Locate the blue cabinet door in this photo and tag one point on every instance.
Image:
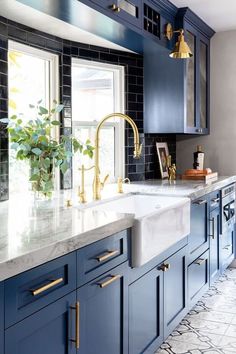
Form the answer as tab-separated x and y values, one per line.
102	312
214	232
145	314
198	238
1	318
48	331
175	290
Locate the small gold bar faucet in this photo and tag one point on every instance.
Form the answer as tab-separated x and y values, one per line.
97	184
81	190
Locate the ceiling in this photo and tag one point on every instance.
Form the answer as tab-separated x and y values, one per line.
218	14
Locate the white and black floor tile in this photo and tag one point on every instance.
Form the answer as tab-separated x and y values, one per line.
210	327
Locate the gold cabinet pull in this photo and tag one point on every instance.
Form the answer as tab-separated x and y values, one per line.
213	229
200	202
199	261
106	256
115	8
77	328
47	286
215	200
164	267
109	281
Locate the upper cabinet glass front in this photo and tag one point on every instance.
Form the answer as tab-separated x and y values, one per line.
203	85
190	84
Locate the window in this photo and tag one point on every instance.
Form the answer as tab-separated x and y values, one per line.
98	90
33	76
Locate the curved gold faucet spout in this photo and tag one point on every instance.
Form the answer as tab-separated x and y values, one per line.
97	185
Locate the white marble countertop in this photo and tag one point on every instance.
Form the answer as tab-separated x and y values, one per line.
32	233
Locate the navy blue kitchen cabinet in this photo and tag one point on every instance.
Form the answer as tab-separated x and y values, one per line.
51	330
175	290
2	317
145	312
198	238
227	239
102	313
176	92
214	235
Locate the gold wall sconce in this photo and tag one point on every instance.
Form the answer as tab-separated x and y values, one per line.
181	49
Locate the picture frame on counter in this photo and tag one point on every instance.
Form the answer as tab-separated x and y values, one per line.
163	153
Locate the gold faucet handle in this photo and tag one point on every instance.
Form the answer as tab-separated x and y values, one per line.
120	182
104	181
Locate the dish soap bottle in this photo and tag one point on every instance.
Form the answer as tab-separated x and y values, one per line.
198	158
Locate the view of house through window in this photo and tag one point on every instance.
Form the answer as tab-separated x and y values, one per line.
32	77
98	90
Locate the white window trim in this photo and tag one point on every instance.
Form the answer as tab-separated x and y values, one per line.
119	92
53	81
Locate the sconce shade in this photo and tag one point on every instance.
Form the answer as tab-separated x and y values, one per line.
181	49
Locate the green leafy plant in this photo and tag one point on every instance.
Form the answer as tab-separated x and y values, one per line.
33	141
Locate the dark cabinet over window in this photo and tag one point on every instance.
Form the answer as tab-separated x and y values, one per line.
176	91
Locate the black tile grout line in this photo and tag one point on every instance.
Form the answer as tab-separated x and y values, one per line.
133	63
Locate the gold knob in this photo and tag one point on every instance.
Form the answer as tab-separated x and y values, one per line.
68	203
115	8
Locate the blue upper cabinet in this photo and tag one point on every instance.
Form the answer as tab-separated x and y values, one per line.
1	318
177	91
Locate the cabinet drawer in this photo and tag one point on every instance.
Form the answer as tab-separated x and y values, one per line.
32	290
214	200
98	258
198	278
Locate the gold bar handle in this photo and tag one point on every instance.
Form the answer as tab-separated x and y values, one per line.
200	261
106	256
109	281
200	202
77	327
47	286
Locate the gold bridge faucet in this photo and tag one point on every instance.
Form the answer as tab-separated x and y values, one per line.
97	184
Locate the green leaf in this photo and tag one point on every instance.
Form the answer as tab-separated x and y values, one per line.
13	117
40	101
55	122
34	178
37	151
14	146
19	121
88	142
64	167
43	110
31	106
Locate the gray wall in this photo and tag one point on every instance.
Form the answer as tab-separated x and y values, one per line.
220	146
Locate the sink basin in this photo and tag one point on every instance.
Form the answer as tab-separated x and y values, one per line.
159	222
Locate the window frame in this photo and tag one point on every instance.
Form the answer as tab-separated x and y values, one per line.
119	106
53	75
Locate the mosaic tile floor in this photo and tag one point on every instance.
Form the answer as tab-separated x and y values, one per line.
210	327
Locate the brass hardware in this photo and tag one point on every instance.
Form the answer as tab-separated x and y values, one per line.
115	8
199	261
181	49
68	203
120	182
81	190
109	281
213	229
106	256
77	325
215	200
164	267
47	286
200	202
97	184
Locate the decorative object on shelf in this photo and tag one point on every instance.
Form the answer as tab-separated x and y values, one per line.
163	153
198	158
97	184
171	169
200	175
181	49
33	141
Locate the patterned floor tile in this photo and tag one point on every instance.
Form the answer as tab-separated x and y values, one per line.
231	331
192	323
228	344
213	316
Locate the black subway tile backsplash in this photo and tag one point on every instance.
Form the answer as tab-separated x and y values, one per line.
144	168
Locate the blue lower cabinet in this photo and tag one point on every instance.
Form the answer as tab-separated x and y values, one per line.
102	312
227	246
214	234
198	238
175	290
48	331
1	317
145	314
198	278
